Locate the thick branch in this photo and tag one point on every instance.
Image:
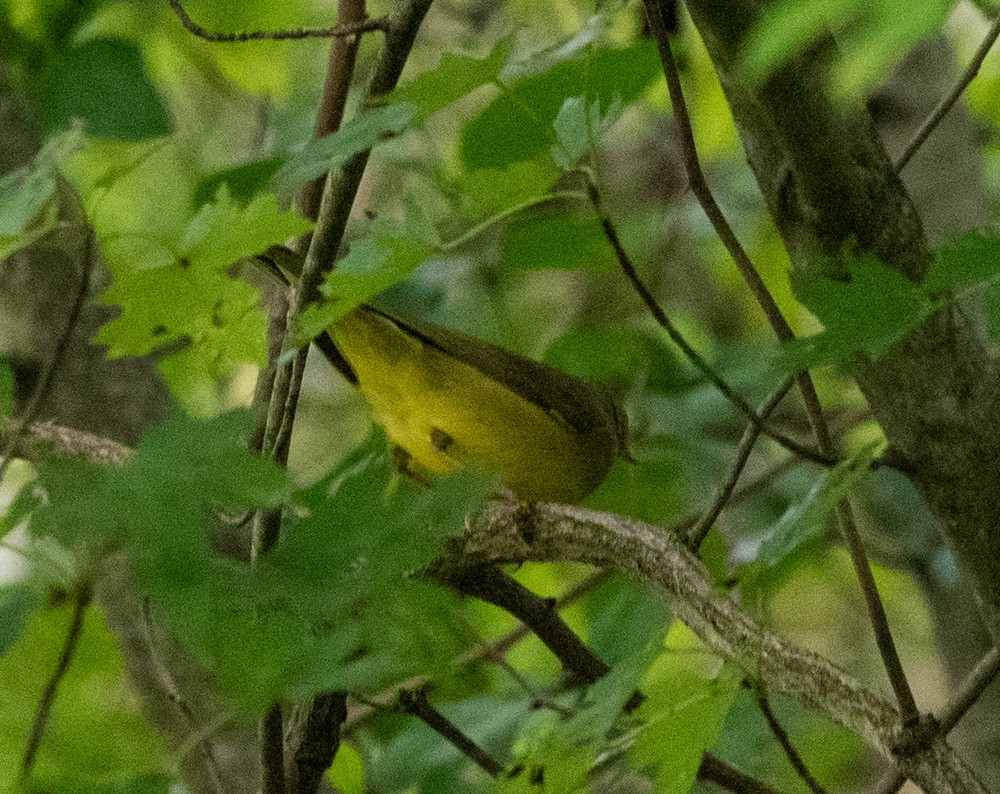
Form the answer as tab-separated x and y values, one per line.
830	187
567	534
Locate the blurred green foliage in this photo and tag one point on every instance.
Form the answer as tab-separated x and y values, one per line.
473	215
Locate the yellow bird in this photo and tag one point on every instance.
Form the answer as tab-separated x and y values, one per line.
447	399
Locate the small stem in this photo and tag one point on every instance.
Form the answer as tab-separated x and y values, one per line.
699	186
48	697
690	353
946	104
343	29
714	770
786	744
488	583
696	535
477	230
414	703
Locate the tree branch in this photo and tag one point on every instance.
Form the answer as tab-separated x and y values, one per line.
814	410
80	603
507	532
946	104
415	703
344	29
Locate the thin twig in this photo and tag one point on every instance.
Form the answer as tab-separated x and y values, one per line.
975	683
488	583
336	88
909	713
717	771
697	533
49	694
946	104
576	592
343	29
272	752
314	749
277	325
414	703
786	744
690	353
174	694
41	392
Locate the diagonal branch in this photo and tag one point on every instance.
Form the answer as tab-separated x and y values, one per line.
559	533
946	104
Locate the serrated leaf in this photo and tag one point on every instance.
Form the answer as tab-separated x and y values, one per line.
333	606
867	313
453	78
517	125
331	152
688	694
807	519
194	299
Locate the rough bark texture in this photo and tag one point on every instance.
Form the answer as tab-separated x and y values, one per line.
830	186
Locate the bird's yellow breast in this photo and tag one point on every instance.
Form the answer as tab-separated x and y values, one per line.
447	413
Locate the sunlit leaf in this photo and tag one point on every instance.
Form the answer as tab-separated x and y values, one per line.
689	693
329	153
346	774
517	125
867	312
453	78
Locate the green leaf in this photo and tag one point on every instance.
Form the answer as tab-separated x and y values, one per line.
963	264
17	602
517	125
579	130
333	606
867	313
807	518
346	774
194	300
330	153
688	694
243	182
27	209
104	82
453	78
870	36
387	255
535	241
491	190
